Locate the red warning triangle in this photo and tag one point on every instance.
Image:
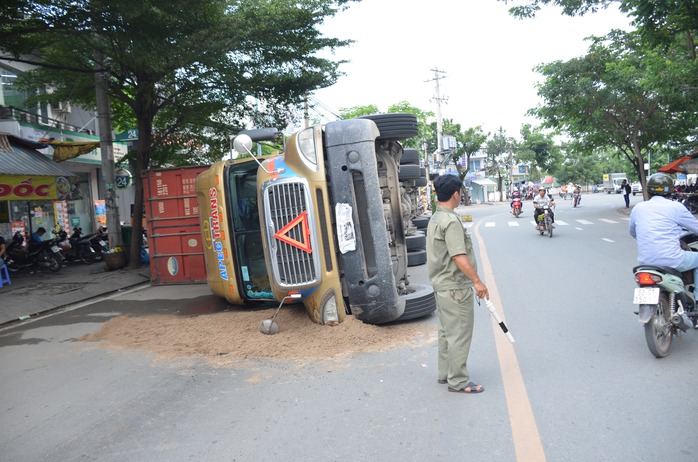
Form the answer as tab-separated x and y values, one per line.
283	236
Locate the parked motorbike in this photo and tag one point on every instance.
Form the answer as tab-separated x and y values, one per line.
575	199
545	222
516	207
666	302
91	246
76	247
45	254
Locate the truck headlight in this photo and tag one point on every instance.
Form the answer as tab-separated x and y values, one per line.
329	309
305	140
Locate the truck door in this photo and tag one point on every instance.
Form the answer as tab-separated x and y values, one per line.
249	250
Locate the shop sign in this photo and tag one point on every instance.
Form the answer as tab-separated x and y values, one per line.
24	188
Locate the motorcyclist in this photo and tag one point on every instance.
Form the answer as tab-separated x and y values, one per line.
657	225
539	201
516	195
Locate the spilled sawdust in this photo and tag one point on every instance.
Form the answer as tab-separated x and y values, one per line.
227	337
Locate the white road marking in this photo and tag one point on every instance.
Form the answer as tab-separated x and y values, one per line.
578	228
513	223
584	222
606	220
607	240
561	223
490	224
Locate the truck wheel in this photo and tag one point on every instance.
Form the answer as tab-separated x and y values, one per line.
418	241
416	257
421	222
395	126
419	303
408	172
409	157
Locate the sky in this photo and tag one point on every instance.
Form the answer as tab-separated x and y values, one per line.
485	55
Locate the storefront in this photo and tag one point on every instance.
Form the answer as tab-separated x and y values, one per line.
37	192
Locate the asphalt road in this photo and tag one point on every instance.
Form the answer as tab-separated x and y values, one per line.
579	384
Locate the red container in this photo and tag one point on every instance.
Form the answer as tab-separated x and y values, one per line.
174	232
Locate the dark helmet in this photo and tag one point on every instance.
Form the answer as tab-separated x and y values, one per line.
660	184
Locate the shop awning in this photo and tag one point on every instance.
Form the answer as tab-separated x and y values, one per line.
485	182
20	157
64	150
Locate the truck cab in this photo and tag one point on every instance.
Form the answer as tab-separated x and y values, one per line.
323	219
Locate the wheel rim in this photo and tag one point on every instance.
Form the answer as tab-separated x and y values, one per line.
659	329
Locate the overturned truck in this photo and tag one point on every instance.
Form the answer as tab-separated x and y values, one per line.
326	219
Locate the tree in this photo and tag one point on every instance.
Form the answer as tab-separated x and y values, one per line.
190	73
618	96
538	150
500	157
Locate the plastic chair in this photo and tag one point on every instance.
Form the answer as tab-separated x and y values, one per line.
4	276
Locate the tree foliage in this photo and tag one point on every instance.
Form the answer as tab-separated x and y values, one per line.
618	96
187	74
538	150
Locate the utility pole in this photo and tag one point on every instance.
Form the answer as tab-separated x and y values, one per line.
107	150
438	99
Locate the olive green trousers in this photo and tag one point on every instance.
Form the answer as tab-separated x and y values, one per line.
456	316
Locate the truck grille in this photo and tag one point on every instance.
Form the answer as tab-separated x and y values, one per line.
293	265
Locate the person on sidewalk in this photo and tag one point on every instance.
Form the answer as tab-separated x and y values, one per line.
3	251
625	187
452	271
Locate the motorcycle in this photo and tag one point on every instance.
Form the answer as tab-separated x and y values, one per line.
667	307
545	221
95	242
44	254
575	199
516	207
76	247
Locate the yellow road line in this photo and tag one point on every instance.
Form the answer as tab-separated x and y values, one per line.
527	442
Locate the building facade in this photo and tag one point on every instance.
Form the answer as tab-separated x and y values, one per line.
75	199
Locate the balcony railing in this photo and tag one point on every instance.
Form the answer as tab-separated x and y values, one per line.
12	113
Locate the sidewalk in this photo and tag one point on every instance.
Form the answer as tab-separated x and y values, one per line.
31	294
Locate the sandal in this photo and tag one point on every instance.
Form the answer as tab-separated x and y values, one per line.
469	388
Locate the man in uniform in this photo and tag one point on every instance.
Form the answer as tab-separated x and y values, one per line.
453	273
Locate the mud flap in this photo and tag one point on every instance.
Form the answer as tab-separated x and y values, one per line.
645	313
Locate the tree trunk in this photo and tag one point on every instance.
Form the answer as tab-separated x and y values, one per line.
145	133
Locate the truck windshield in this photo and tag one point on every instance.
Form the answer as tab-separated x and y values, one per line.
242	202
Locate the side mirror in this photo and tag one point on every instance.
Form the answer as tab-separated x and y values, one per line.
243	144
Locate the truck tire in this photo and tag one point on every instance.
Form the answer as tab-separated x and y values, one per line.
417	241
420	182
416	257
408	172
419	303
421	222
395	126
409	157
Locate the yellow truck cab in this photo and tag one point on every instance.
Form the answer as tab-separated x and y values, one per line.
325	219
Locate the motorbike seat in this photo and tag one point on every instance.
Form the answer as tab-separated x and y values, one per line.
664	269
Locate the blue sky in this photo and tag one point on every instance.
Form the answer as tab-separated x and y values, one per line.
486	55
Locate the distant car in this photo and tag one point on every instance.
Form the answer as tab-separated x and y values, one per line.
637	188
598	188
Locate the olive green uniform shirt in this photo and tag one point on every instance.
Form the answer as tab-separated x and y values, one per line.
447	238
